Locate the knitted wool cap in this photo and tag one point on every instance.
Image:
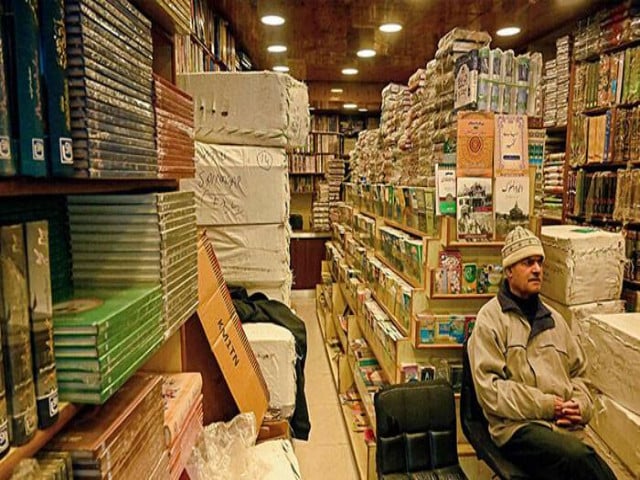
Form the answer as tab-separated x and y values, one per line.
520	244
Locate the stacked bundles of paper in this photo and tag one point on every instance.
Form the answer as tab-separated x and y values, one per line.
552	184
183	417
102	336
174	130
275	349
563	72
576	315
248	108
320	209
126	239
550	93
335	176
587	36
124	439
366	158
582	265
180	13
242	200
396	102
612	345
110	89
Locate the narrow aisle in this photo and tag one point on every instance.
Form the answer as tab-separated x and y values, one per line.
327	453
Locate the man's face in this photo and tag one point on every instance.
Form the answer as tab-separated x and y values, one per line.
525	277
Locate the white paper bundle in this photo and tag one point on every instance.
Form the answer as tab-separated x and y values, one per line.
582	265
576	314
248	108
612	346
239	185
275	350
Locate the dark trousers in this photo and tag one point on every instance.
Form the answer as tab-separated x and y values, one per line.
546	454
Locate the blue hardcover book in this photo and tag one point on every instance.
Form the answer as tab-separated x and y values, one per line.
7	158
23	23
56	88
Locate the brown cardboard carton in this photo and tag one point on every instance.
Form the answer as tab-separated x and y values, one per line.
226	337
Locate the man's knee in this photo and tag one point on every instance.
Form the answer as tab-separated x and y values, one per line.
576	451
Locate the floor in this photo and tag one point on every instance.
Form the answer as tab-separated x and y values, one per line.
327	454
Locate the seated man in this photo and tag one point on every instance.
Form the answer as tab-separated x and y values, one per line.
528	373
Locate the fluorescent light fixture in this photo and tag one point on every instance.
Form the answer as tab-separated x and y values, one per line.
337	90
508	31
390	27
349	71
277	48
349	106
274	20
281	68
363	109
366	53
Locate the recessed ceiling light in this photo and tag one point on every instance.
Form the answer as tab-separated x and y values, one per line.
363	109
390	27
274	20
508	31
349	106
336	90
366	53
277	48
349	71
280	68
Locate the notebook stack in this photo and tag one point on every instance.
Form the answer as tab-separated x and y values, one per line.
110	89
120	240
122	439
183	417
102	337
174	130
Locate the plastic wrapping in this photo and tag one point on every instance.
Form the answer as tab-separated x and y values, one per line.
224	451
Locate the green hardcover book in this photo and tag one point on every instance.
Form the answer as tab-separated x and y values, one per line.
25	67
55	87
16	341
94	311
41	312
7	158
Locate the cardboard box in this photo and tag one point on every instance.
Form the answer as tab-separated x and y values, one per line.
248	108
581	265
226	336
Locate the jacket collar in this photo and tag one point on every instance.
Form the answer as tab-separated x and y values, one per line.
543	319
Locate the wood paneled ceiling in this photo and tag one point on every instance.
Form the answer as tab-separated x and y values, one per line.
322	35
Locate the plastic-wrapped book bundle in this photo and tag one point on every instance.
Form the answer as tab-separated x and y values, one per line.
366	158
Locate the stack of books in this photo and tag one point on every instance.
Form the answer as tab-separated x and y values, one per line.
183	417
174	130
110	56
122	439
102	337
120	240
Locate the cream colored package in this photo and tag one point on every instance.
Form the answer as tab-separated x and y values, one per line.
612	346
619	428
239	185
582	265
248	108
576	314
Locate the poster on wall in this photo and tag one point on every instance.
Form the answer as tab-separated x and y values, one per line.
474	209
511	204
511	145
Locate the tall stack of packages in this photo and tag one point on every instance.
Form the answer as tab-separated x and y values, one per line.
583	280
243	125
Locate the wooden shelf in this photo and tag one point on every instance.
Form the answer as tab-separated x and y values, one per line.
414	282
600	166
595	110
159	15
391	316
322	132
461	296
223	66
23	186
635	284
305	173
411	230
597	219
376	348
474	245
439	346
365	396
41	438
557	129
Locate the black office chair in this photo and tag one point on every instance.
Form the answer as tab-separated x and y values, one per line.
475	428
416	432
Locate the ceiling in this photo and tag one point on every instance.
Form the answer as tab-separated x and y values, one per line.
322	36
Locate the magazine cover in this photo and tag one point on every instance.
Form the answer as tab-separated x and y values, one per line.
475	209
512	204
475	144
511	145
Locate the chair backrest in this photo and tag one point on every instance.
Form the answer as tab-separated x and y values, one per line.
416	427
470	409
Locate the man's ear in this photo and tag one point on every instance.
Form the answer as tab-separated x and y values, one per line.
507	271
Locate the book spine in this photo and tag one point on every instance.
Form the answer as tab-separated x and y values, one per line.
41	313
56	88
7	153
16	342
28	101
